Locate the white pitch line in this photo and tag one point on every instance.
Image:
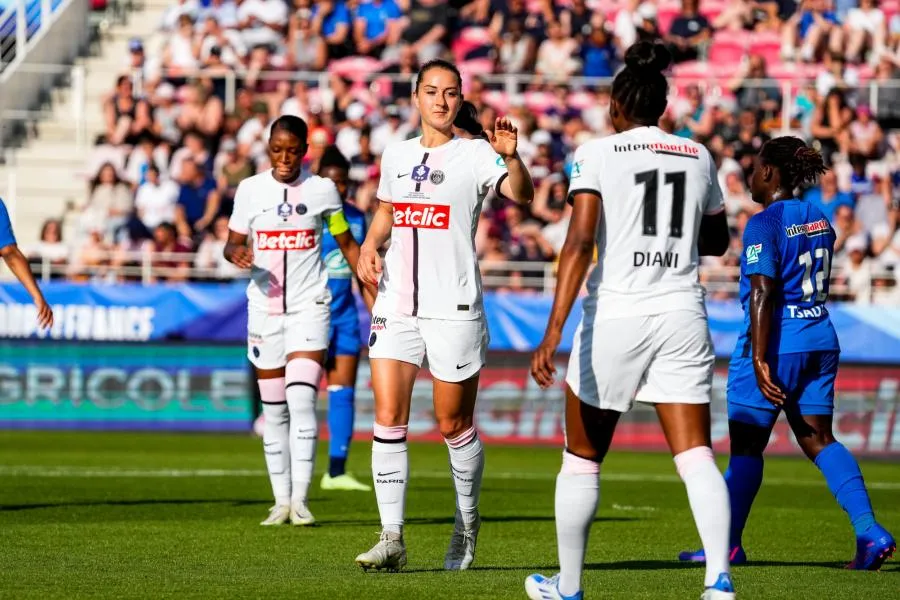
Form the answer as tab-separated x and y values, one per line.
114	472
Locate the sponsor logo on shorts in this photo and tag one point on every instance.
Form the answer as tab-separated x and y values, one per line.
420	173
436	177
813	229
286	239
256	351
378	323
753	251
422	216
254	338
372	339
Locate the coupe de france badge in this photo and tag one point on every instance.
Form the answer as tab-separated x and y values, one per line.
285	210
420	173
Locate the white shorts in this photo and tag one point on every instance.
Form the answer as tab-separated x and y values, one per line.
270	338
665	359
455	349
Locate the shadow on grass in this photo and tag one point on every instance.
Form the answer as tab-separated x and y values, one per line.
449	520
145	502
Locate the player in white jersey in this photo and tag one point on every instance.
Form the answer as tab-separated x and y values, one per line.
651	203
281	216
429	300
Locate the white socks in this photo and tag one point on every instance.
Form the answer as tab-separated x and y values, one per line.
302	386
390	471
275	438
466	468
577	496
708	497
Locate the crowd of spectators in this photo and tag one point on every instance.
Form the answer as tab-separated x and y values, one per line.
186	124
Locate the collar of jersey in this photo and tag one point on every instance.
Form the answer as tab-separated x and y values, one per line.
294	183
433	148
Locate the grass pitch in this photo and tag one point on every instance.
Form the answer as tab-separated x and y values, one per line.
156	516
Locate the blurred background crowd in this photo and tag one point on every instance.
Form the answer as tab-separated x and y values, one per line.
188	120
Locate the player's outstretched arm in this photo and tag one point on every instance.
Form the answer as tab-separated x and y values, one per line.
236	250
18	264
714	237
763	291
504	140
574	260
369	267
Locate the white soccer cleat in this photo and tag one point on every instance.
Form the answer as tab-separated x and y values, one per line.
389	554
461	552
278	515
538	587
300	515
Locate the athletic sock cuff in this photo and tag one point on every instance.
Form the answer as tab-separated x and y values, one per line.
466	437
303	371
272	391
690	460
395	434
575	465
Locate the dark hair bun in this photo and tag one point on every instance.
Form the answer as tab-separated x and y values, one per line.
467	119
647	58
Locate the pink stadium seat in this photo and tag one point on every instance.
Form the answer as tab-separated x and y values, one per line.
665	16
499	100
477	66
580	100
470	39
538	101
769	51
355	67
726	52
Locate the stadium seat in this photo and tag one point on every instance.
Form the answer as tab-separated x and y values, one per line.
469	40
538	101
766	45
356	68
727	51
477	66
498	99
580	100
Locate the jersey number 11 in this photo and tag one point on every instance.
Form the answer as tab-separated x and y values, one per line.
650	181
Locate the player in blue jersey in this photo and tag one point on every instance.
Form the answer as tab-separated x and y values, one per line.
343	352
19	266
787	354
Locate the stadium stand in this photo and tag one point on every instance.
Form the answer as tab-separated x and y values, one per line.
177	112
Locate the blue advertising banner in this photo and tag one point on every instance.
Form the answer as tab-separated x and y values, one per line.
218	312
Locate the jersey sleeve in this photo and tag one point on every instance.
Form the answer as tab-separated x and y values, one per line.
761	251
7	238
585	175
240	214
384	182
490	170
715	202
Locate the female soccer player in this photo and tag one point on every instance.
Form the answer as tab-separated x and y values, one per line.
288	298
787	354
644	334
344	347
19	266
429	301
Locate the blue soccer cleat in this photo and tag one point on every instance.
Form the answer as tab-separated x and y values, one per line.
722	589
539	587
736	556
872	549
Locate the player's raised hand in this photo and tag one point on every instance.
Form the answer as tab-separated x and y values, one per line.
242	257
543	368
504	138
369	266
769	388
44	314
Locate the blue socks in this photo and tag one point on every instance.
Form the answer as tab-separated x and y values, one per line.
340	427
743	478
846	483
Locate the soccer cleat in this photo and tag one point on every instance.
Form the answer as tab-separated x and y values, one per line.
873	549
539	587
461	552
345	482
278	515
736	556
722	589
300	515
389	554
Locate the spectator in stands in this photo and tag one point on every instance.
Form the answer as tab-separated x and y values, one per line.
201	111
217	42
625	26
198	201
689	34
173	14
262	22
425	27
866	135
91	261
517	49
557	56
50	250
376	26
830	124
126	115
210	255
531	248
888	109
195	150
363	164
741	15
331	19
109	203
857	270
505	11
836	74
813	29
827	196
154	204
137	63
180	56
171	254
225	13
866	29
347	139
145	153
765	98
234	167
306	49
407	66
598	55
393	129
647	23
166	113
578	20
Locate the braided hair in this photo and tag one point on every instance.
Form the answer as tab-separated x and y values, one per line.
797	163
641	89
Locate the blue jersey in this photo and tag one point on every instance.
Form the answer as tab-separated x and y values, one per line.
7	237
791	242
340	276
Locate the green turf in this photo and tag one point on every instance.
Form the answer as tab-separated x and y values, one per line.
70	526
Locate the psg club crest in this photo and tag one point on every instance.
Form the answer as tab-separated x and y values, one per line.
436	177
420	173
285	210
301	209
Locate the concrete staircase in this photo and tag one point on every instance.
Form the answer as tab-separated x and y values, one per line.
50	171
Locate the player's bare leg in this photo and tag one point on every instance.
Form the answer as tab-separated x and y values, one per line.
302	377
392	383
874	544
687	430
341	375
454	408
589	432
276	442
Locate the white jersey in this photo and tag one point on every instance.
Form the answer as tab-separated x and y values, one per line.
655	188
284	222
430	269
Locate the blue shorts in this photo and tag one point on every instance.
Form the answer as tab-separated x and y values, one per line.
344	336
806	377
